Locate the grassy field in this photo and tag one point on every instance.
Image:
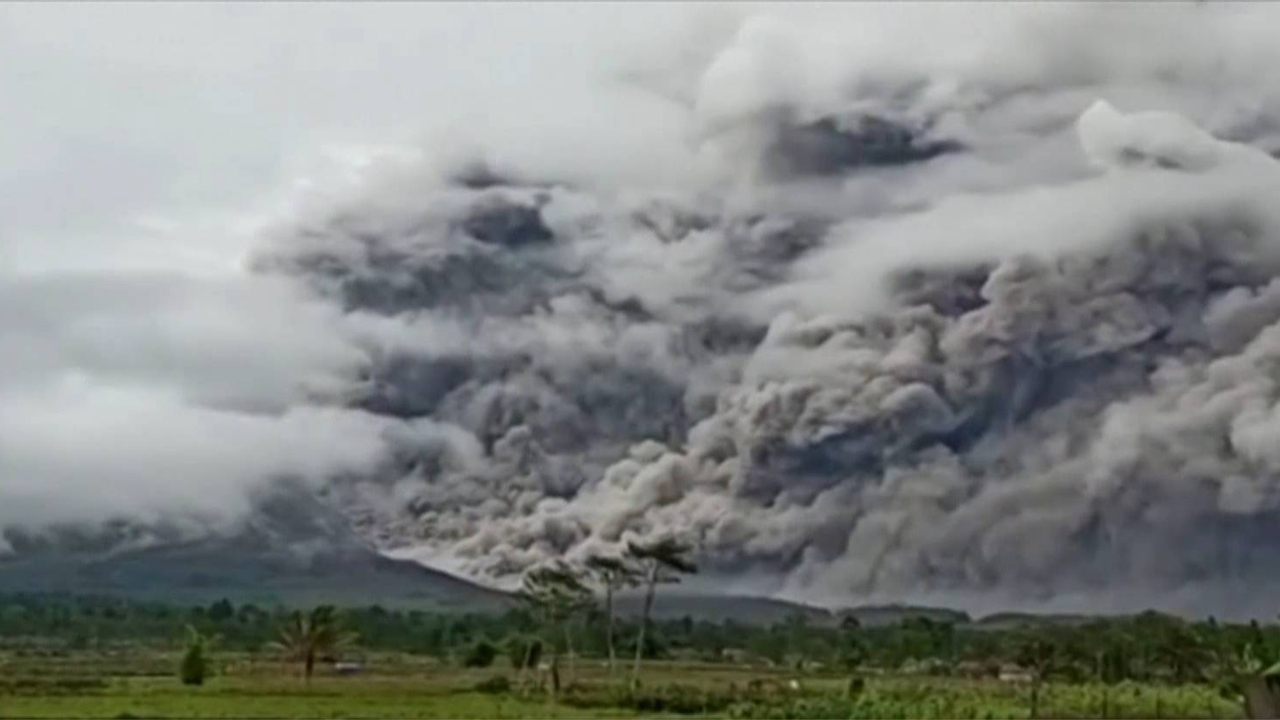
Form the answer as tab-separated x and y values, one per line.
125	684
274	698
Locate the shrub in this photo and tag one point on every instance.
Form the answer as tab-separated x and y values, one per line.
194	666
480	655
675	699
817	708
195	663
855	687
681	699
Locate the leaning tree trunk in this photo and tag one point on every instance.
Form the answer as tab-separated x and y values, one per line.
644	624
524	665
568	647
608	608
555	669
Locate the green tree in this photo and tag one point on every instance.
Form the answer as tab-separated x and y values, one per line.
612	573
221	611
195	661
851	651
481	655
768	644
660	562
555	593
524	652
308	636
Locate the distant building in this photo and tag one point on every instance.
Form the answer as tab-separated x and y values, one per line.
350	664
1015	674
971	669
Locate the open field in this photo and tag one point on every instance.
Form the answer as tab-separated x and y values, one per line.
94	684
64	657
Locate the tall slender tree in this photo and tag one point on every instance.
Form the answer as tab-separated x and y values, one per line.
660	562
556	593
1039	656
613	573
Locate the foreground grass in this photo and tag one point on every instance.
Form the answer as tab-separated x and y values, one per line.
325	698
412	688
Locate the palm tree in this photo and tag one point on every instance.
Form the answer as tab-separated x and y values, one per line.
304	637
613	573
660	562
556	593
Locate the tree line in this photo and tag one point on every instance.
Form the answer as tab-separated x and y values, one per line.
566	616
560	592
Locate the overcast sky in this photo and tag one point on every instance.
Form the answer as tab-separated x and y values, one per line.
150	135
146	135
143	148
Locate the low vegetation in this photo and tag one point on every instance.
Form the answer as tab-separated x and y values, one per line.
63	656
195	659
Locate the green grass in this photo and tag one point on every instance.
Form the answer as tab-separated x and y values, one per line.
915	697
141	684
325	698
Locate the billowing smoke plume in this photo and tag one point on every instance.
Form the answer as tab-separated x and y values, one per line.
992	319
